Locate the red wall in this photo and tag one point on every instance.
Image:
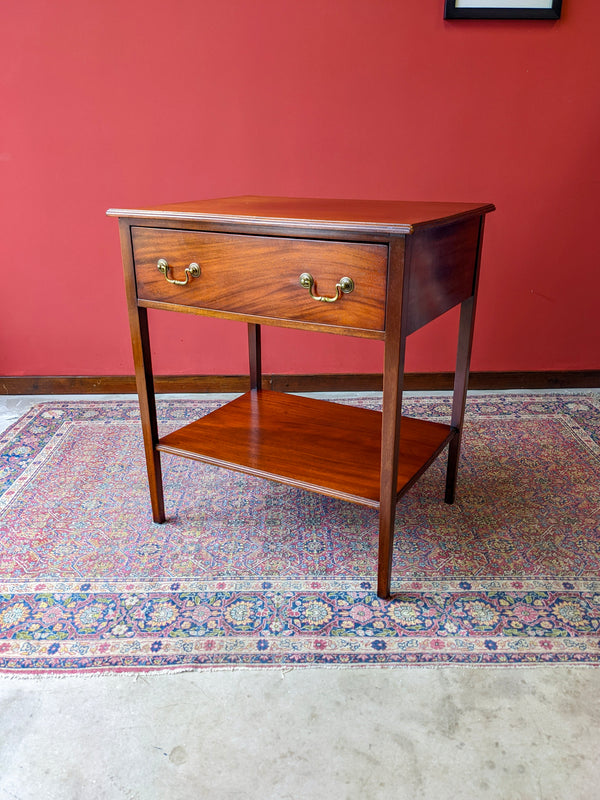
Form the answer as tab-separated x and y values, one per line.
135	102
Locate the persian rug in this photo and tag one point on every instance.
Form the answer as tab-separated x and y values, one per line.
247	572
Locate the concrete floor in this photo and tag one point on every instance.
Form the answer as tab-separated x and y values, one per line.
525	733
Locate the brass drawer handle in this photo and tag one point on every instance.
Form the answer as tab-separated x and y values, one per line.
193	271
345	286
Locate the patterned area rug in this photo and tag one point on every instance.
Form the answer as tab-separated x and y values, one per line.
247	572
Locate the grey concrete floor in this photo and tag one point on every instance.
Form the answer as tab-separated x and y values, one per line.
525	733
361	734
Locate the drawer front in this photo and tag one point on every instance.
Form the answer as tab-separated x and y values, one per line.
260	276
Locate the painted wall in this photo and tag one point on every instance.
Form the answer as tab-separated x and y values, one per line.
135	102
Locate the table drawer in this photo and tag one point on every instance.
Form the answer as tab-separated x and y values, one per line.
260	276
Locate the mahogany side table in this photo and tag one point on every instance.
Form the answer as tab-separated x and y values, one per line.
371	269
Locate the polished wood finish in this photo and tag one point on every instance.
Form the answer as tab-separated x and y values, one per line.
255	356
410	263
442	270
258	277
326	447
140	342
461	376
388	217
393	381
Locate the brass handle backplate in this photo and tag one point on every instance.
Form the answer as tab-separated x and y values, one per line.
193	271
345	286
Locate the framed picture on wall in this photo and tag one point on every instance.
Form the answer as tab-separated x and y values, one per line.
502	9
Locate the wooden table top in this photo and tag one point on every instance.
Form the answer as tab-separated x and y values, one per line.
380	216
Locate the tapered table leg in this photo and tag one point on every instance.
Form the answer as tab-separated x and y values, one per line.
461	380
393	380
461	375
388	492
255	357
145	387
387	517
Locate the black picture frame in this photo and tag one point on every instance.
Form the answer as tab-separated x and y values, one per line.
522	9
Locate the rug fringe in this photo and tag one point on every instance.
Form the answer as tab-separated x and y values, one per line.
274	668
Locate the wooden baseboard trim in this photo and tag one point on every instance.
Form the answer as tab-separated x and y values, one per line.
440	381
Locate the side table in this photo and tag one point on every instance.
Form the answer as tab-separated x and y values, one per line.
370	269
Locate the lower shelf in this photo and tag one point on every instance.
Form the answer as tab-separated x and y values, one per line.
314	444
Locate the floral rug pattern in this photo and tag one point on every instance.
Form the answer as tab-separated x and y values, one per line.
247	572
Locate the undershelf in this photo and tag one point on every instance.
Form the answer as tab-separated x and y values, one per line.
313	444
